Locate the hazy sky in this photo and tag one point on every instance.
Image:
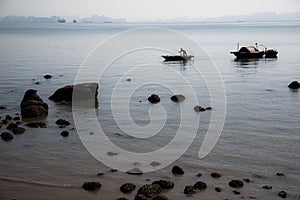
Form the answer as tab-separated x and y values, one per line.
145	9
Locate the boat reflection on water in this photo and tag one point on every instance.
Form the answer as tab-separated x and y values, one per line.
181	63
246	62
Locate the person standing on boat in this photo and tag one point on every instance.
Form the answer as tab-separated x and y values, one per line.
183	52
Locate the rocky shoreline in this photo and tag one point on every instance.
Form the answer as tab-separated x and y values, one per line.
32	106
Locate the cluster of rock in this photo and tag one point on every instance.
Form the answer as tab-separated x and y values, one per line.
155	190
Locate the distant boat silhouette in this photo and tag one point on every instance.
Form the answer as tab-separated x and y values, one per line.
254	52
61	21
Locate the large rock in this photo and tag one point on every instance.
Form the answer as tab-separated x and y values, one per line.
76	93
294	85
90	186
154	98
178	98
32	106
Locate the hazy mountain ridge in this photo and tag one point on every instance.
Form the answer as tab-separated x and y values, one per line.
262	16
53	19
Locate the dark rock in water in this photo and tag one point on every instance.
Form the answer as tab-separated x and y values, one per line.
177	170
215	175
280	174
110	153
8	117
129	79
11	126
200	185
127	188
36	125
100	174
282	194
188	190
18	130
122	198
154	98
62	122
113	170
33	106
199	109
208	108
135	171
16	118
267	187
164	184
247	180
199	175
86	92
64	133
178	98
4	121
2	107
236	192
150	191
6	136
91	186
236	183
294	85
47	76
37	83
155	164
160	197
140	197
218	189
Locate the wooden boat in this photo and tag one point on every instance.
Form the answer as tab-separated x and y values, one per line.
254	52
248	52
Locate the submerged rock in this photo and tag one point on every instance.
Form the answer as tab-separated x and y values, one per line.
86	92
127	188
218	189
199	109
164	184
236	183
90	186
6	136
62	122
189	190
160	197
36	125
154	98
178	98
267	187
200	185
282	194
177	170
135	171
64	133
32	106
294	85
215	175
18	130
47	76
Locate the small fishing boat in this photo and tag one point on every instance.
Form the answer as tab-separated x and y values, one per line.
248	52
183	56
61	20
177	57
254	52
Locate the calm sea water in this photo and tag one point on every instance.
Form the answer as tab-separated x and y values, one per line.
262	126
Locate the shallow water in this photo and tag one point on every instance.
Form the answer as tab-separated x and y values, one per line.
260	135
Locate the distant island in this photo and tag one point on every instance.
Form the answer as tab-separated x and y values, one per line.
261	16
59	19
